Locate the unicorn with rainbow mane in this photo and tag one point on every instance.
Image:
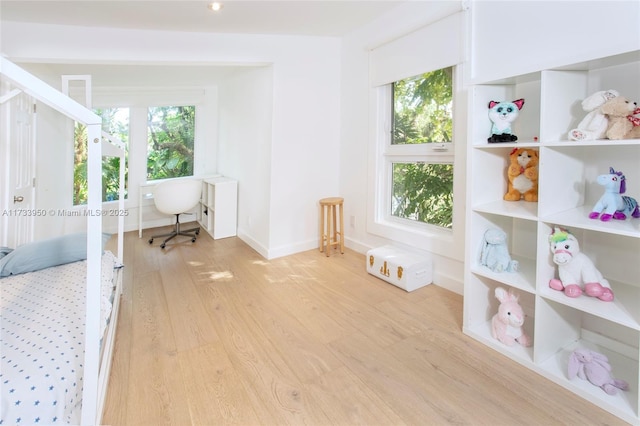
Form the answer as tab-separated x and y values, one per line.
576	272
612	204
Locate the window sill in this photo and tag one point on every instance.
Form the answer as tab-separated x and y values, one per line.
430	238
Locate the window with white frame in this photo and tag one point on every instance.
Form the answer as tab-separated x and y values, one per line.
170	147
170	141
417	154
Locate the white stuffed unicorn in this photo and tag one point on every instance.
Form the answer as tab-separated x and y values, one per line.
612	204
576	271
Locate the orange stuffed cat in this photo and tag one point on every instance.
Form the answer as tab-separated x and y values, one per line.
523	175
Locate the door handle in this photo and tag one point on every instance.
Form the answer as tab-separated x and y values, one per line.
18	199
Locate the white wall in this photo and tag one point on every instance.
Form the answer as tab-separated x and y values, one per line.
305	158
304	163
245	149
543	34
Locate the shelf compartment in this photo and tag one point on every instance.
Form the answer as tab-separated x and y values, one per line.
593	143
211	197
563	91
204	194
518	209
578	218
492	163
479	320
482	333
622	310
570	175
573	329
521	245
562	113
527	126
615	256
204	217
523	279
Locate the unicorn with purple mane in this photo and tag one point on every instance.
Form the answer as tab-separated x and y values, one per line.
612	204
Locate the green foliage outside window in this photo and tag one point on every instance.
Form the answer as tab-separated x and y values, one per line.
422	114
169	148
423	192
115	121
80	190
170	142
422	108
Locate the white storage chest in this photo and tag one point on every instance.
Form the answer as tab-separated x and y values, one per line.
400	267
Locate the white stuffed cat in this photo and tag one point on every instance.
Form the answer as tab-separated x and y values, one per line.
502	114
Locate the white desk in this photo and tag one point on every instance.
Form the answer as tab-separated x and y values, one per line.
145	193
145	196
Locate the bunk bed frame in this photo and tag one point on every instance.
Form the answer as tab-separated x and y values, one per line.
98	348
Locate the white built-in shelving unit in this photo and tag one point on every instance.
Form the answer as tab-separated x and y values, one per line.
219	206
567	193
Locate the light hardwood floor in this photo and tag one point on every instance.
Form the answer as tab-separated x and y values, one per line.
211	333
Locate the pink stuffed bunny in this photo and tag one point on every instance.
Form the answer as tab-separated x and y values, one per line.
594	367
506	325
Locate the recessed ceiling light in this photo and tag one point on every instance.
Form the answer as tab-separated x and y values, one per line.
216	6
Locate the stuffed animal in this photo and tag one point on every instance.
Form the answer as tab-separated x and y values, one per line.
506	325
494	254
624	118
594	124
594	367
612	204
502	114
523	175
575	270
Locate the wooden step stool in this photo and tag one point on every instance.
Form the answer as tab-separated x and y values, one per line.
331	225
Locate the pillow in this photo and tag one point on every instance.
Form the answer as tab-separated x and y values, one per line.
5	251
47	253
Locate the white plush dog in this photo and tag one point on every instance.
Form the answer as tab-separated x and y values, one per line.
594	124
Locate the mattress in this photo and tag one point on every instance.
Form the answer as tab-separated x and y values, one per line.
42	328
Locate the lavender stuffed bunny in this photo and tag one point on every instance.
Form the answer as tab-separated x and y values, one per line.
594	367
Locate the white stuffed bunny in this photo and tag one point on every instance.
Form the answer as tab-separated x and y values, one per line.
506	325
594	124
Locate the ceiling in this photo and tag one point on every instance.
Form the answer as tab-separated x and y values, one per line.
333	18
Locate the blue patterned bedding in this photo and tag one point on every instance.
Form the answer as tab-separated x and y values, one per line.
42	326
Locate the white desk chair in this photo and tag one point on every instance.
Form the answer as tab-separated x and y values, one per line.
175	197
